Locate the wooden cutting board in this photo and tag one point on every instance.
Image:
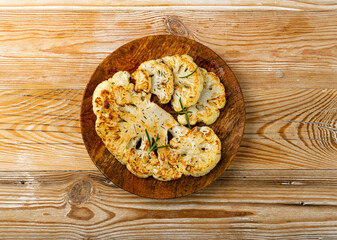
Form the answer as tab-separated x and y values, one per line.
229	126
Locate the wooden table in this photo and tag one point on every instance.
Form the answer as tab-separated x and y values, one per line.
283	181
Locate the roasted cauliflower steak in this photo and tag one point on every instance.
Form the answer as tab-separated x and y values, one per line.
125	115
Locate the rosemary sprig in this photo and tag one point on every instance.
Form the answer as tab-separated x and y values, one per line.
183	111
190	73
153	145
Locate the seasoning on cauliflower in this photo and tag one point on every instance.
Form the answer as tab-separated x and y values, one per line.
157	77
187	89
199	149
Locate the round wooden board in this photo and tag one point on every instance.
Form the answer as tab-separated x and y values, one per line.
229	127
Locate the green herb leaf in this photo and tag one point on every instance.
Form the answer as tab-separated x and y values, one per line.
153	145
162	147
188	121
190	73
181	105
183	111
180	111
148	137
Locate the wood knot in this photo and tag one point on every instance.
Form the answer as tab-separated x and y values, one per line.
279	74
80	213
175	27
80	192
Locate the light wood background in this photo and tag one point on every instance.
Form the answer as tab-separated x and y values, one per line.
281	185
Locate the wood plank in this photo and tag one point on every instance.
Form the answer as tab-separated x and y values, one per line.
273	49
259	204
169	4
294	128
39	130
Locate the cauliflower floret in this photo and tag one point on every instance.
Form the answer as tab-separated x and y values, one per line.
143	80
199	149
187	89
123	115
155	76
212	98
120	78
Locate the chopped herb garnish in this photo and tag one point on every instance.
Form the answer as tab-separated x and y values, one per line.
190	73
183	111
153	143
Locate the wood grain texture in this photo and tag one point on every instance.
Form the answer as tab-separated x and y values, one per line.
285	62
294	128
40	130
273	49
215	5
229	126
255	204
